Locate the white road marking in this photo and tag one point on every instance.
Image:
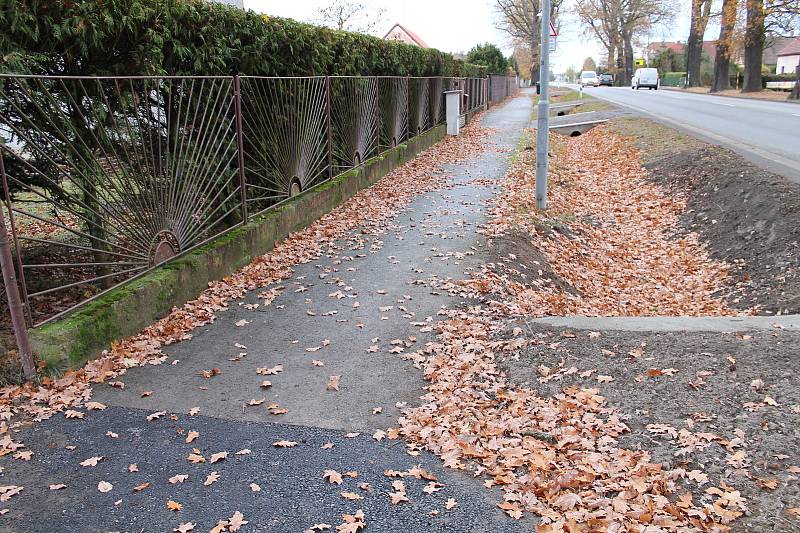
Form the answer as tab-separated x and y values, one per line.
795	115
720	103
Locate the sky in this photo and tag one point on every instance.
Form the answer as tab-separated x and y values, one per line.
458	25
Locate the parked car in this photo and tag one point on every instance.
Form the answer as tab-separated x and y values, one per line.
606	79
589	77
646	77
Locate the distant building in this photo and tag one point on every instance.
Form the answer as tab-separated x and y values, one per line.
788	57
404	35
679	49
773	46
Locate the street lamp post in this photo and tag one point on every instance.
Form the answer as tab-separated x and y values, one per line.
543	122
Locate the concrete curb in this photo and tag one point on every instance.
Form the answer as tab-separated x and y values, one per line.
127	309
680	323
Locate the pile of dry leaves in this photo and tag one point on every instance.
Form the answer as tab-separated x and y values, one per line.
609	233
612	236
555	456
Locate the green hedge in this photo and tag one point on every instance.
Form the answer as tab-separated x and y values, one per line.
672	79
778	77
195	37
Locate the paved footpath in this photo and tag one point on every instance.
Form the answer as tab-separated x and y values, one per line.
434	238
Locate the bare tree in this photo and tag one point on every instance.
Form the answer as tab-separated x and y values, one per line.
349	16
617	23
637	18
520	20
722	60
601	16
701	11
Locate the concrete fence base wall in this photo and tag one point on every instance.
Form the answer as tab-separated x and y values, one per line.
85	332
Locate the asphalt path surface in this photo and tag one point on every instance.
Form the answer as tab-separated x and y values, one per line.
766	133
434	238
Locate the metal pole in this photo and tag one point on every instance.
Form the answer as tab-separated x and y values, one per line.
543	118
408	109
14	301
328	125
237	95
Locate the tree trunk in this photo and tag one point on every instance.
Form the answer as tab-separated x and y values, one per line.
796	89
722	61
620	71
628	44
754	38
534	60
610	58
694	44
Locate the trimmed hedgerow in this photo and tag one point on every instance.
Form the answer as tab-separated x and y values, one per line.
195	37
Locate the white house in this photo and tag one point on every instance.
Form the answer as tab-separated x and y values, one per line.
788	57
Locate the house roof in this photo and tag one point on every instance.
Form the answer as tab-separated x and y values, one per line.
675	47
406	35
775	46
709	48
791	49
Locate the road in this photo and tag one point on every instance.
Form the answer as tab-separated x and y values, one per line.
766	133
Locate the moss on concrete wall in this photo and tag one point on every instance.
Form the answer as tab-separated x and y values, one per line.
125	310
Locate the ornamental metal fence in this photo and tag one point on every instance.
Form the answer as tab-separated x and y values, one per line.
104	178
501	87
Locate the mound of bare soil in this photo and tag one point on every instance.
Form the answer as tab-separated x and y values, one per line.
710	403
748	217
516	257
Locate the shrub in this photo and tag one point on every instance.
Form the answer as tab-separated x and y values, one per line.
778	77
195	37
673	79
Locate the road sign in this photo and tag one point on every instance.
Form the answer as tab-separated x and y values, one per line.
552	42
639	62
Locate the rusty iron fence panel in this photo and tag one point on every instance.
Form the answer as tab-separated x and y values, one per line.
394	110
104	178
357	120
436	88
285	137
107	177
419	104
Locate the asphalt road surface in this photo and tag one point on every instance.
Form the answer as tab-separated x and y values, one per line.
766	133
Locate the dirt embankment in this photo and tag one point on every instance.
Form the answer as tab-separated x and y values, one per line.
719	410
610	236
707	403
748	217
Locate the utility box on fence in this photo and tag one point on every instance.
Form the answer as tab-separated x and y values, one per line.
453	111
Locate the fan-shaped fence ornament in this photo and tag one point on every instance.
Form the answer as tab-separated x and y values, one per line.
394	110
356	123
105	178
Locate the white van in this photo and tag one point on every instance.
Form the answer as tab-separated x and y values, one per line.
645	77
589	77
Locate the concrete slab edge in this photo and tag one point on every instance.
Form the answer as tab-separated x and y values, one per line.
677	323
